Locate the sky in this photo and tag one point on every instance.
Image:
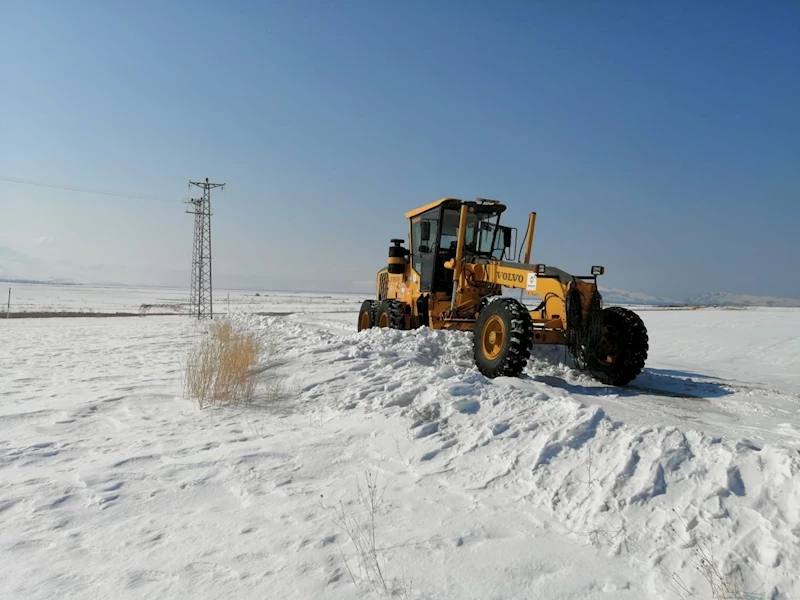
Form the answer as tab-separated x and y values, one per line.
661	140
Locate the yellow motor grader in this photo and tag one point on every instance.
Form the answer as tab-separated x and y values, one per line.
453	275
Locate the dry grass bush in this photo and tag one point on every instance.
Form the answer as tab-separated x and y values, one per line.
220	366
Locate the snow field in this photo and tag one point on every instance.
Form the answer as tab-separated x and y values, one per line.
113	486
666	498
546	486
99	299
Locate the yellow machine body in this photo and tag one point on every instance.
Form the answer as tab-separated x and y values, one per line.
491	275
459	261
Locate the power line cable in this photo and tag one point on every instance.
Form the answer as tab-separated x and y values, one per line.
89	190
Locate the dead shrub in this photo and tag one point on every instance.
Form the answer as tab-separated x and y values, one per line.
220	366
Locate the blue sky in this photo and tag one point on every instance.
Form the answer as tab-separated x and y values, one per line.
660	141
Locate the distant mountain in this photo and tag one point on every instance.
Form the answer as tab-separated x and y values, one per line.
38	281
615	296
16	265
727	299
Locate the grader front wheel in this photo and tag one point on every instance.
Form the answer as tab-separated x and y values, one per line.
502	339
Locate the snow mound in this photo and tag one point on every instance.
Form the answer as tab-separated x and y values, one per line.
697	513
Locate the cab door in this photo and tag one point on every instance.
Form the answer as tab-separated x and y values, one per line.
424	238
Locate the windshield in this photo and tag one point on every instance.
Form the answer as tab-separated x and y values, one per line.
483	236
490	239
450	228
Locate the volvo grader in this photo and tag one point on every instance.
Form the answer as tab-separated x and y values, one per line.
453	274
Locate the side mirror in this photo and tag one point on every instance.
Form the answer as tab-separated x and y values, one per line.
506	237
424	249
426	230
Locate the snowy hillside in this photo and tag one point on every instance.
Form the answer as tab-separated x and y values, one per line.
726	299
624	297
14	264
545	486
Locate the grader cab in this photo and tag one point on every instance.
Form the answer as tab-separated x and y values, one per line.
452	277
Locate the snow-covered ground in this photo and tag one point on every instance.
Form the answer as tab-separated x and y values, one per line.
29	298
545	486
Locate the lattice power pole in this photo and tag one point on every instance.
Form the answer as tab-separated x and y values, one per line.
201	297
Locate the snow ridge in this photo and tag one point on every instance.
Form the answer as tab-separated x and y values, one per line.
675	501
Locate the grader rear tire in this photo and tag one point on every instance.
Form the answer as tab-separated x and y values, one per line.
622	351
391	314
501	342
366	316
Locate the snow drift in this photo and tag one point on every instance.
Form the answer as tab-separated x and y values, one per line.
700	514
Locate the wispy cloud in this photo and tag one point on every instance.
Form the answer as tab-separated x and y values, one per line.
44	240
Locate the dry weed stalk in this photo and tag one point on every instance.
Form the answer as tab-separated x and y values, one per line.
725	579
369	567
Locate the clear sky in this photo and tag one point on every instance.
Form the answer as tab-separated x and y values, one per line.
661	140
